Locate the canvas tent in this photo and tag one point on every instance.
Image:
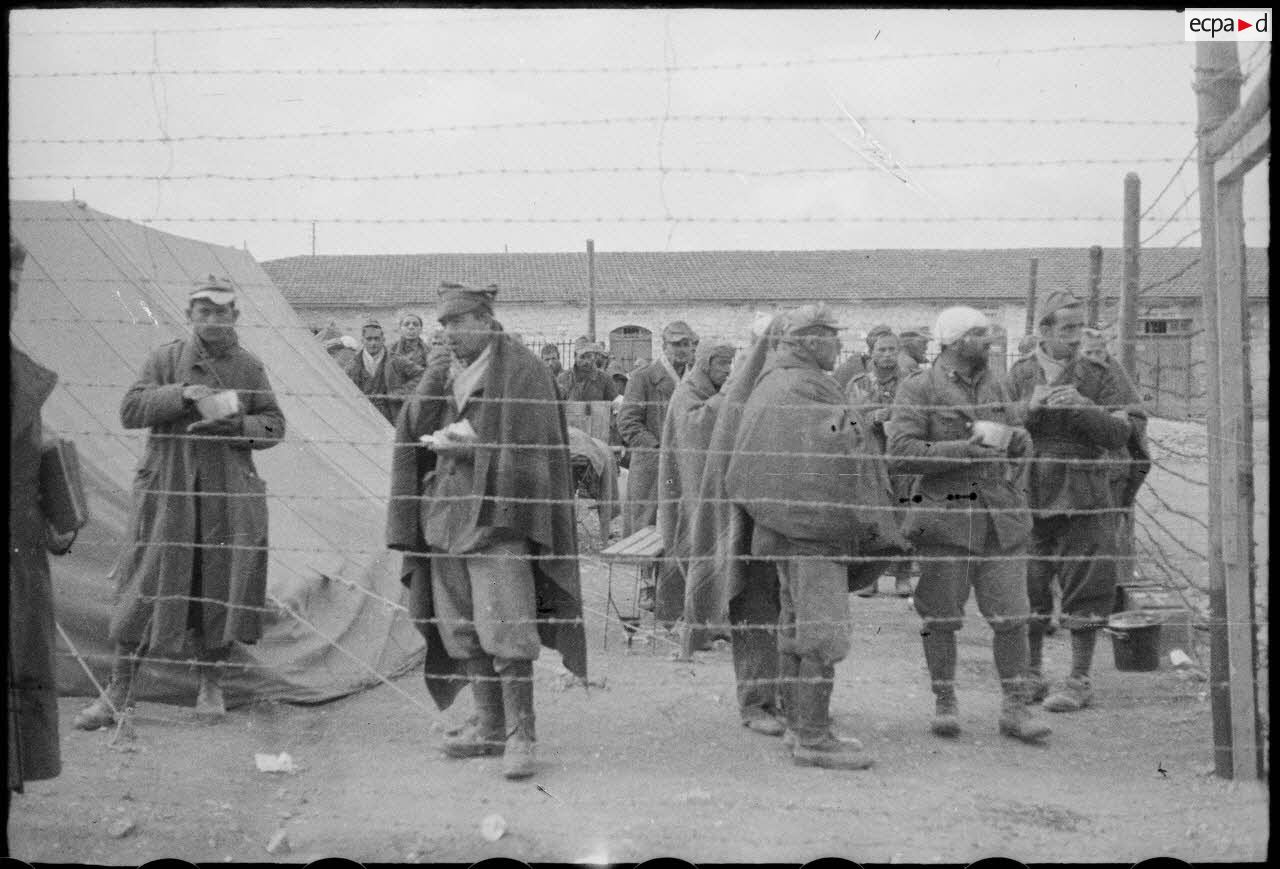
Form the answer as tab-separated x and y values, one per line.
97	294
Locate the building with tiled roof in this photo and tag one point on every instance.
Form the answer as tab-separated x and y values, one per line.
544	296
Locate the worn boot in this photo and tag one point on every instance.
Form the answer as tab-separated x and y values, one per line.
517	701
103	711
1009	649
816	744
940	657
1076	692
210	707
1037	684
487	735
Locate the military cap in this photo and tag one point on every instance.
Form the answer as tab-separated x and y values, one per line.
1054	302
216	289
678	330
459	299
809	317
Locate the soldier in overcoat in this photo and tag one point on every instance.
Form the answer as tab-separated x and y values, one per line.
194	575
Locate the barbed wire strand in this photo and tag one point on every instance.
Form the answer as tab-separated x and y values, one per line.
591	70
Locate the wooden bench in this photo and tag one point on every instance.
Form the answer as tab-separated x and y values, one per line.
641	549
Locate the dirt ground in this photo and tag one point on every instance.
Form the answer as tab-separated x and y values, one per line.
651	761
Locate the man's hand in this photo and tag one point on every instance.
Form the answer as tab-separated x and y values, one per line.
1020	443
447	443
196	391
1067	396
881	415
978	450
228	426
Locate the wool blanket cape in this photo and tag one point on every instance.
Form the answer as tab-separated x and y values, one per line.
719	529
804	467
686	433
523	483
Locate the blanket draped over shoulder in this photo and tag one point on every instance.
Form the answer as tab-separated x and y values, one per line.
523	483
686	433
720	530
806	466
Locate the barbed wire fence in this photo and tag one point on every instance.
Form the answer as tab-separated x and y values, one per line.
1172	508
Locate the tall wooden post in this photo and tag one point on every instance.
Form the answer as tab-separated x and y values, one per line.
591	290
1229	147
1031	297
1095	284
1127	330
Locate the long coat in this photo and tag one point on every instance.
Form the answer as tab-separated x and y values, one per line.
33	694
522	483
691	417
644	409
154	575
396	377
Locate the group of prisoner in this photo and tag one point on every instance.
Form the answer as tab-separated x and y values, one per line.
778	493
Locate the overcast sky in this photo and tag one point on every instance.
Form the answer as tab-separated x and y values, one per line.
434	130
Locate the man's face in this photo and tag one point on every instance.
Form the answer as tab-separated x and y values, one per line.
884	356
1095	349
974	344
585	362
411	328
1062	335
825	347
373	340
467	335
214	324
678	352
718	369
549	359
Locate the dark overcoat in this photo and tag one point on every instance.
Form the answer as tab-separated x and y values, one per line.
640	419
395	378
33	692
523	483
154	574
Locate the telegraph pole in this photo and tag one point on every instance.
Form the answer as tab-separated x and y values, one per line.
1095	283
591	290
1128	326
1031	298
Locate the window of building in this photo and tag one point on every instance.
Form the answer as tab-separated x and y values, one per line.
1165	326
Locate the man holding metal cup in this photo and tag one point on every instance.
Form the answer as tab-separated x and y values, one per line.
969	522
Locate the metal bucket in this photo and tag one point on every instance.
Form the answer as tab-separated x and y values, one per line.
1135	640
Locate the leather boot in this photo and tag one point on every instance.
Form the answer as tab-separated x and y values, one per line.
816	744
788	694
103	711
487	735
1037	684
940	656
210	707
517	701
1009	649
